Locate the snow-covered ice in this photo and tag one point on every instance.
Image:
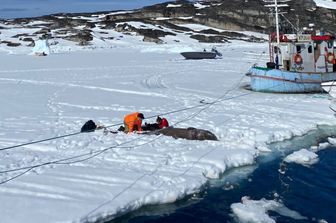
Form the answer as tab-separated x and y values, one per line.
330	4
92	176
322	146
41	48
250	211
332	141
303	156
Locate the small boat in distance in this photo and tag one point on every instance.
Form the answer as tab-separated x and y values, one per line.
198	55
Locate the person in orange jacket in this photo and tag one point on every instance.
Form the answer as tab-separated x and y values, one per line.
133	121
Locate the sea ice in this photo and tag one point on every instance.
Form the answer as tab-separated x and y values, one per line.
303	156
256	211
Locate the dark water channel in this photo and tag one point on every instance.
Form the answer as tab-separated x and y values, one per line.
308	190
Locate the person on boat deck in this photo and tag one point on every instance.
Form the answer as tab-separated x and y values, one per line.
162	122
133	121
277	51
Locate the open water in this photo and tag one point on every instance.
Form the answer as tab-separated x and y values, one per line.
309	190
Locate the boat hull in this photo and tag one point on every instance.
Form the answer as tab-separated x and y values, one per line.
279	81
199	55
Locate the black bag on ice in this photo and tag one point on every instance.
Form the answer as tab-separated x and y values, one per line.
89	126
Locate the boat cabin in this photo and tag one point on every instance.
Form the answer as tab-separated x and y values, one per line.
303	53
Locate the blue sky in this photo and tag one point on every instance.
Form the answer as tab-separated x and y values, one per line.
30	8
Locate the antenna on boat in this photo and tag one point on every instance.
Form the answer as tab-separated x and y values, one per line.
277	21
276	6
290	23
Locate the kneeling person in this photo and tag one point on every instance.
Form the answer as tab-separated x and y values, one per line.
133	121
162	122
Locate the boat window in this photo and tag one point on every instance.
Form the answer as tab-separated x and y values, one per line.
287	64
310	49
298	49
330	44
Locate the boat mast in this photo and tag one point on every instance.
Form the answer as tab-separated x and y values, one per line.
276	7
277	22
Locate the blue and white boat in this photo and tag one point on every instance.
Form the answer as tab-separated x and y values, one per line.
299	63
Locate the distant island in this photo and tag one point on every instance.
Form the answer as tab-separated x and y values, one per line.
164	19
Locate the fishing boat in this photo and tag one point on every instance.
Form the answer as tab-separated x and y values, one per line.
299	63
198	55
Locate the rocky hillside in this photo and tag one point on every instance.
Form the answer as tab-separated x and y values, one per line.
167	19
